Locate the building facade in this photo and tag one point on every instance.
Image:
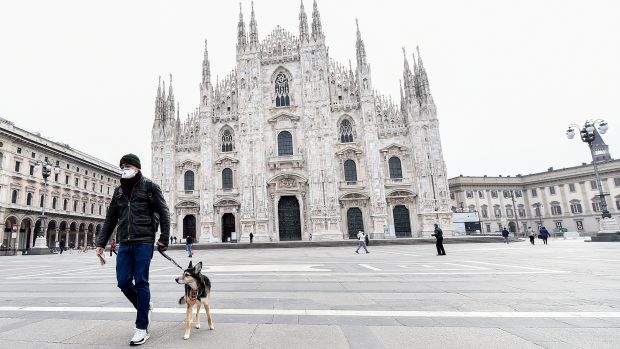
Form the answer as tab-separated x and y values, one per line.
76	197
565	198
292	145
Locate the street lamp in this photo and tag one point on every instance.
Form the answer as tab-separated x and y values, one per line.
514	208
40	245
588	134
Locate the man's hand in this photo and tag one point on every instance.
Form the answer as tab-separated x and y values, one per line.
99	250
162	246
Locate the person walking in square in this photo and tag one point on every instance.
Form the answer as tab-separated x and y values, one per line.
361	241
251	237
438	234
506	235
544	234
113	247
61	245
189	242
136	206
531	234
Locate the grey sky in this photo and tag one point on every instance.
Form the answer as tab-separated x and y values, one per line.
507	76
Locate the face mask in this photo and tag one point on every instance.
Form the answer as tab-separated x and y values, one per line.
128	173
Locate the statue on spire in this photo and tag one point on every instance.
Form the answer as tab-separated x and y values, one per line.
317	28
206	66
253	29
241	36
360	48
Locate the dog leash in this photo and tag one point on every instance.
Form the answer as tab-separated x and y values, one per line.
169	258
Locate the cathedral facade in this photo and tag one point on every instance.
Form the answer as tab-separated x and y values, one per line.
292	145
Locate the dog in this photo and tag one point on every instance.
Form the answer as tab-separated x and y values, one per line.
197	291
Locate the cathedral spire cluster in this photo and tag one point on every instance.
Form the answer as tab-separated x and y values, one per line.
360	49
303	24
317	28
165	108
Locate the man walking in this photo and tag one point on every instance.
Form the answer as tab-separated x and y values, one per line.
61	245
189	242
361	241
438	234
531	234
506	235
137	205
544	234
251	237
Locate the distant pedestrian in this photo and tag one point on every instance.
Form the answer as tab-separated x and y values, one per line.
251	237
189	241
544	234
113	247
361	241
171	240
366	240
506	235
175	239
438	234
61	245
531	234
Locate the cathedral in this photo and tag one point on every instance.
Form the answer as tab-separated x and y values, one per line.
292	145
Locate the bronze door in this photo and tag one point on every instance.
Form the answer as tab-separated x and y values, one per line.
289	221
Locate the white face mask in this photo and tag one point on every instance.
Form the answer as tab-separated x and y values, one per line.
128	173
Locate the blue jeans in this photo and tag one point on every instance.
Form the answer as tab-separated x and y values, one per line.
132	274
188	248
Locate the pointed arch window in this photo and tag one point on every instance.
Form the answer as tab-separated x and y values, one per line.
42	201
396	170
227	179
189	181
65	202
29	199
54	202
14	197
227	141
285	143
346	131
281	87
350	171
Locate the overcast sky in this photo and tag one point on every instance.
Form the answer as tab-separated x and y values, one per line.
507	76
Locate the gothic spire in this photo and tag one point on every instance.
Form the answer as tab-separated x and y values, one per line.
170	93
359	47
158	100
303	24
317	29
253	29
241	37
206	66
425	91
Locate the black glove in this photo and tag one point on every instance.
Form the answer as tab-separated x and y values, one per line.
162	245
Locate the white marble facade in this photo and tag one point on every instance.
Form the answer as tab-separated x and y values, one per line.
292	145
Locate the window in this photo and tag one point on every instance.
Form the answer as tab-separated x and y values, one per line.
77	182
555	208
552	190
396	170
33	155
93	186
227	179
189	180
575	207
101	188
31	170
75	206
494	194
509	211
537	211
350	171
227	141
484	212
518	193
29	199
285	143
617	181
54	202
534	192
67	179
470	194
521	210
488	226
596	206
86	172
452	195
498	212
65	202
92	208
618	204
55	177
67	166
506	194
19	150
85	184
346	131
14	197
481	194
100	209
17	163
593	185
41	201
281	87
571	187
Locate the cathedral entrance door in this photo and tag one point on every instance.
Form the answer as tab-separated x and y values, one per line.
289	221
189	226
355	222
402	224
228	226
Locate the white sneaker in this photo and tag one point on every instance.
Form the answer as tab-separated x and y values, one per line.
139	337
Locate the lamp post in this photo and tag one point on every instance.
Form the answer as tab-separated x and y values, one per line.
514	208
588	134
40	245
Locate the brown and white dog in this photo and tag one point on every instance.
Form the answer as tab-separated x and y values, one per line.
197	291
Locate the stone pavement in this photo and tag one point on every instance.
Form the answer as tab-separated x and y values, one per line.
563	295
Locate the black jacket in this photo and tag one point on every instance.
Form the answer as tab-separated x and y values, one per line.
438	234
135	217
